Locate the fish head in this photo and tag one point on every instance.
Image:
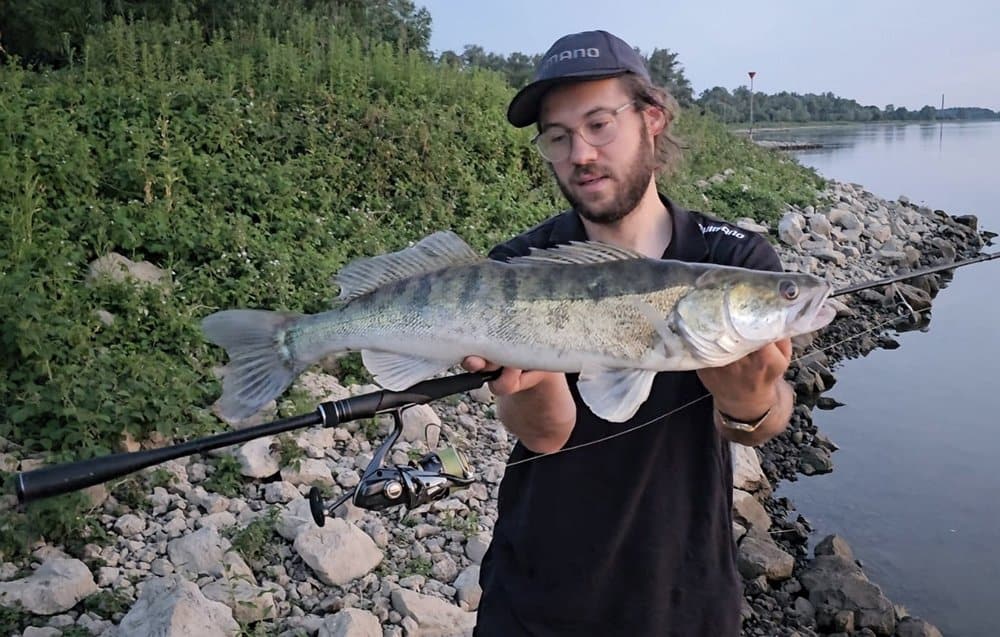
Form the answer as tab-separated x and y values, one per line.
731	312
763	307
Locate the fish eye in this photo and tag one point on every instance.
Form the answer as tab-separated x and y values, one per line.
788	290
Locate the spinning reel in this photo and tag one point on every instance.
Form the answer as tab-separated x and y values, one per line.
434	476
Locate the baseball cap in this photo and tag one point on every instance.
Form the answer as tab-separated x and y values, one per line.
589	55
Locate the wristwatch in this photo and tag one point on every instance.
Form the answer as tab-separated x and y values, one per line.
739	425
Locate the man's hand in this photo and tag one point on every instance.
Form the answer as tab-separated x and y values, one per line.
747	388
510	381
535	406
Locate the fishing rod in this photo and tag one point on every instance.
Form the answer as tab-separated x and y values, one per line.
865	285
432	477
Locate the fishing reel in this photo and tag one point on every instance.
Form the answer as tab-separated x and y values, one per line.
434	476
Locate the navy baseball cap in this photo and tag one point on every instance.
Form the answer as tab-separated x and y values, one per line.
589	55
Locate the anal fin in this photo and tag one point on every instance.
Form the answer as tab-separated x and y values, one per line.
399	371
615	394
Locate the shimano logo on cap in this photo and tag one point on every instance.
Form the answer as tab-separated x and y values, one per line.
573	54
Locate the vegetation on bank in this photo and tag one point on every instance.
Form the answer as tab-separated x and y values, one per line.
250	164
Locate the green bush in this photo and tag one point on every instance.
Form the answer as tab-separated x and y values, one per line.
249	165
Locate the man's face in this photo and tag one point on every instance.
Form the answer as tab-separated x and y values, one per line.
603	183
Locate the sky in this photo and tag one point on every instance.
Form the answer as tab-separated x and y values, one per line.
877	52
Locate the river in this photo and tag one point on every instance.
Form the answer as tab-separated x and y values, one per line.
916	483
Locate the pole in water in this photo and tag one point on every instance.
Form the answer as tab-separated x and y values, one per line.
857	287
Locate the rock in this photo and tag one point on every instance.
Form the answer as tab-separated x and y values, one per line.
815	460
914	627
746	223
321	387
878	232
275	492
175	607
969	221
738	531
790	229
309	472
831	256
891	256
57	586
421	422
257	459
838	583
130	525
209	502
338	552
845	219
433	616
916	298
476	547
120	269
48	631
467	589
751	513
820	224
197	553
482	394
747	473
294	518
834	545
804	608
761	556
350	622
444	569
250	603
827	403
220	520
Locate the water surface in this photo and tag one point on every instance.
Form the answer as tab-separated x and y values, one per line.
916	484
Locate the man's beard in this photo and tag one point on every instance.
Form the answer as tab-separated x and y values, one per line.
632	186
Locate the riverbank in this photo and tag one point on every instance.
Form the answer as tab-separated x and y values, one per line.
229	536
855	237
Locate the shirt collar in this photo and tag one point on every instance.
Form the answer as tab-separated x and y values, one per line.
687	243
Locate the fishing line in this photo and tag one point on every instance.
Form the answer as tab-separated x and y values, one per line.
877	327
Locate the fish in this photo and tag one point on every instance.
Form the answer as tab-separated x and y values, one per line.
607	313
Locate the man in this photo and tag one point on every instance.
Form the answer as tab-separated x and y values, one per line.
631	536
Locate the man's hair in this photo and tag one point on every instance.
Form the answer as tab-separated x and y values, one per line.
667	148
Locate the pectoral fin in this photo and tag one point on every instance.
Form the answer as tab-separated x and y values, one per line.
396	372
615	394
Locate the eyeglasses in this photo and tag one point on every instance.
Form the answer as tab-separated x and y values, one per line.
556	142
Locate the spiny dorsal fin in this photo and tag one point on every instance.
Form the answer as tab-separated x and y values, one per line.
579	252
433	252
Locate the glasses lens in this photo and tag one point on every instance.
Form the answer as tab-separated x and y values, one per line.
600	130
553	144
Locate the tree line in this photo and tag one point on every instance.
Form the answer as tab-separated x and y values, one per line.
48	31
728	106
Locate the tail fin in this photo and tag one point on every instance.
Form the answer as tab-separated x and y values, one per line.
260	366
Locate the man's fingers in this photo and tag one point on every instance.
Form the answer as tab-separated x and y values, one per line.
508	382
785	346
478	364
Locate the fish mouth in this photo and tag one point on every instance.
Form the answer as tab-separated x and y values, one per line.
813	315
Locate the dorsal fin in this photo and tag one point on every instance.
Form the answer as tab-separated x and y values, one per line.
433	252
579	252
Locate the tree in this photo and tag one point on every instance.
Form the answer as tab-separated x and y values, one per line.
665	70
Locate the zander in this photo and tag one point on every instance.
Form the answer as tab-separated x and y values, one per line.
611	314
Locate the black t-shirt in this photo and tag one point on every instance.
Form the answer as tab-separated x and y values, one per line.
633	535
